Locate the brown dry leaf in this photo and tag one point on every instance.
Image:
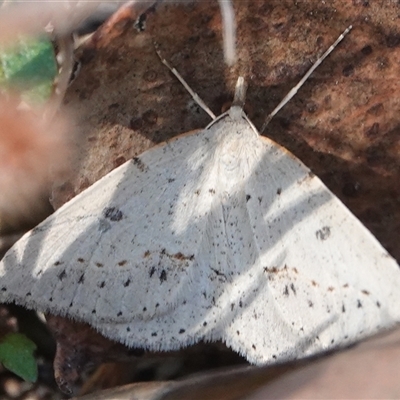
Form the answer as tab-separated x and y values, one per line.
79	346
224	384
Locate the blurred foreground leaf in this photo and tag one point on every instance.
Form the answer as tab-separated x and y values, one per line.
16	354
29	66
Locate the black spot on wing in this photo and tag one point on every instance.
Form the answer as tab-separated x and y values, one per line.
271	270
139	163
286	291
293	289
113	214
219	273
323	233
181	257
163	276
38	229
62	275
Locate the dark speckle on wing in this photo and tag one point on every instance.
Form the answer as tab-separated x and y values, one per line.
323	233
113	214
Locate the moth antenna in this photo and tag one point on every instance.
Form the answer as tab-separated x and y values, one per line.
295	89
194	95
228	30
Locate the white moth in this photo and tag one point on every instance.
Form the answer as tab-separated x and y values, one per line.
220	234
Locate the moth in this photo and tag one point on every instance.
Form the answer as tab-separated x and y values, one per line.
220	234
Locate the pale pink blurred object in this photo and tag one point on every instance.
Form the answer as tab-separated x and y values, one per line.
30	147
